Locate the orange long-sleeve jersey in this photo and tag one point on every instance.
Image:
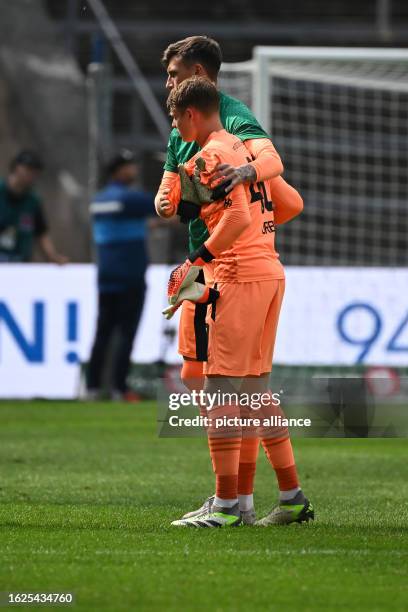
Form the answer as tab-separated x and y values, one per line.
242	231
264	159
286	200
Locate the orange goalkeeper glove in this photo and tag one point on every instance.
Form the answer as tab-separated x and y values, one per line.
186	273
196	292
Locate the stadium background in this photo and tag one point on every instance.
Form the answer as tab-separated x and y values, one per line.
340	127
66	38
88	489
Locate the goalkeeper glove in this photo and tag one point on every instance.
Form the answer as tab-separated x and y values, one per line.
186	273
206	197
196	292
194	193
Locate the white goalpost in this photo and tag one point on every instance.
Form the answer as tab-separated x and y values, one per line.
339	119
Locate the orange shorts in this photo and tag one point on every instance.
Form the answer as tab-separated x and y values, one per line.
242	328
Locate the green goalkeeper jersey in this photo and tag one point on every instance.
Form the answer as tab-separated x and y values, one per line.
237	119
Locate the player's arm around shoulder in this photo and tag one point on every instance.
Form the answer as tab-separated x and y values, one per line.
265	164
287	201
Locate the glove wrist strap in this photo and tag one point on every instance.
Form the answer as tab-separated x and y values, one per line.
209	296
202	254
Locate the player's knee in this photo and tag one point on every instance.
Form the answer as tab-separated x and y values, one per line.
192	375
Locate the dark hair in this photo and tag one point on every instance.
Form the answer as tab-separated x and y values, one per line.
197	92
124	157
28	158
196	50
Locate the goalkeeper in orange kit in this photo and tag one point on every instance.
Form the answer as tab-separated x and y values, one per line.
250	279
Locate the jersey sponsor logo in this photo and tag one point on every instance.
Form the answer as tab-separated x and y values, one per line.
268	227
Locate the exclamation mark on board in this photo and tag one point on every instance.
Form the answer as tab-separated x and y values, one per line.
72	330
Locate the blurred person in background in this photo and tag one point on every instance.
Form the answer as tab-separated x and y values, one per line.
22	220
119	213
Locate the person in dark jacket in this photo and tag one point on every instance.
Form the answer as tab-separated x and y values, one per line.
22	219
119	215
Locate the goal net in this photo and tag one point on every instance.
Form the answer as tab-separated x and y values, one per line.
339	119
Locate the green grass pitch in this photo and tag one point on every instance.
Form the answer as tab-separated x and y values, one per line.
88	491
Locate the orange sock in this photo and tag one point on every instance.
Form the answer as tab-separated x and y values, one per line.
225	457
280	455
278	449
224	442
247	465
192	375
